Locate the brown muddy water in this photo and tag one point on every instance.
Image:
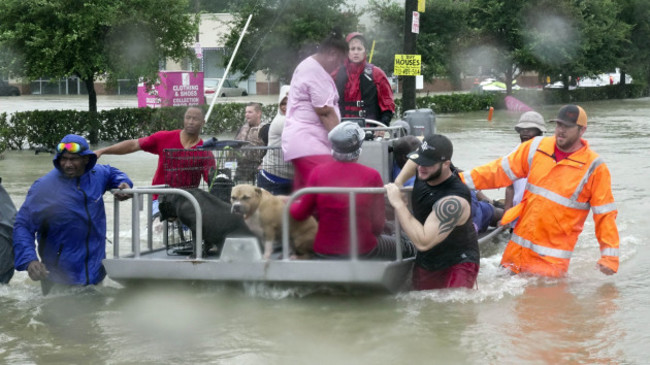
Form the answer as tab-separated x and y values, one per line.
587	318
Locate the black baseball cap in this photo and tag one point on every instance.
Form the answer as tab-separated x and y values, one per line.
571	115
435	148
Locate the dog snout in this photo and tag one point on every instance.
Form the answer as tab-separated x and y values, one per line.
237	208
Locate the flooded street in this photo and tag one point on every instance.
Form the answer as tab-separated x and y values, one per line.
587	318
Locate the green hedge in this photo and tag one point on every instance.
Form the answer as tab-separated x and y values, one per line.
46	128
560	96
4	130
452	103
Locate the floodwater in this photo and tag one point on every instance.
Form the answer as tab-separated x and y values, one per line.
587	318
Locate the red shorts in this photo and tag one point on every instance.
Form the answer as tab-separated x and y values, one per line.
457	276
303	167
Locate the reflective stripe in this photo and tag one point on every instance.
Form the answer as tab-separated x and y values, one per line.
602	209
468	180
505	162
533	148
541	250
609	252
595	163
505	165
556	198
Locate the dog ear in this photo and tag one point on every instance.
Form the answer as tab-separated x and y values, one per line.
258	191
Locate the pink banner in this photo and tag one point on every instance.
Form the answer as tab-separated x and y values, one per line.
175	88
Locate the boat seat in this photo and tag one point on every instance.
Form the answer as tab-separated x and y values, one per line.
241	249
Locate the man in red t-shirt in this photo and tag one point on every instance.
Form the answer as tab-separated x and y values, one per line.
175	172
333	239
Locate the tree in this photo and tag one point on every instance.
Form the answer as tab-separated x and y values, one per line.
443	30
576	38
283	32
636	57
387	31
498	26
443	33
91	39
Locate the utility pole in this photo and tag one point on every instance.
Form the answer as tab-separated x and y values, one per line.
410	38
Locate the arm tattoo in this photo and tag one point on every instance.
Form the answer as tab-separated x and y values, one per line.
448	213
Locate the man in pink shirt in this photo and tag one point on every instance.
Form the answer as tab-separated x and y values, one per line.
312	109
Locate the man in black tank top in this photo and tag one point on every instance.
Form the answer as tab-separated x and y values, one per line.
441	224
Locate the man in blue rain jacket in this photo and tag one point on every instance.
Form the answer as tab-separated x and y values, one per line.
64	210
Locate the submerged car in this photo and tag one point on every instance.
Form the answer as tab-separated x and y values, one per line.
229	88
8	90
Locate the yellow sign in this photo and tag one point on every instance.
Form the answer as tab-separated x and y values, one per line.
408	64
421	5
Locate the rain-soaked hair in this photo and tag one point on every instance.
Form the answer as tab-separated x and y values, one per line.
333	42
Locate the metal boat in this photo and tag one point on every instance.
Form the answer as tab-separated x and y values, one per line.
241	260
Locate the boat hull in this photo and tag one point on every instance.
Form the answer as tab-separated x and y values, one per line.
390	276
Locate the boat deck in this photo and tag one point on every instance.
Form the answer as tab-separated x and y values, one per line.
158	265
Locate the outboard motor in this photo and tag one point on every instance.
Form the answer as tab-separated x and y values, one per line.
421	122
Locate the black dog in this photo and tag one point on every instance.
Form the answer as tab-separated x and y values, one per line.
221	183
218	221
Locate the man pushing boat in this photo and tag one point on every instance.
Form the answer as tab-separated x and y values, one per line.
441	226
565	180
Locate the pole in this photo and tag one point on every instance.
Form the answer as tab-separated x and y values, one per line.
225	74
410	38
372	51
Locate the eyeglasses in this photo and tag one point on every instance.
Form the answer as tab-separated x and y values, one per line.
71	147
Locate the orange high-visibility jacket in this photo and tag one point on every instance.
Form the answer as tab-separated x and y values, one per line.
555	205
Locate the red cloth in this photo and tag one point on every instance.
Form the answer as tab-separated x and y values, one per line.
352	87
384	91
461	275
561	155
332	209
303	167
353	90
181	172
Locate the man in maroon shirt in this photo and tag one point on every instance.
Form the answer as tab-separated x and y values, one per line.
177	173
332	238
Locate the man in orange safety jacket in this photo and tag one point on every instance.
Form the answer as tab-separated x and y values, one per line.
565	180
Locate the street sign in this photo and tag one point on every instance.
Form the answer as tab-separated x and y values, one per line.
408	64
421	5
198	50
415	24
419	82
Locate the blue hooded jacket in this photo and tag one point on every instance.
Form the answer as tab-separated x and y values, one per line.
67	217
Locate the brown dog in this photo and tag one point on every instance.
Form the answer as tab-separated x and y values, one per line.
262	213
218	221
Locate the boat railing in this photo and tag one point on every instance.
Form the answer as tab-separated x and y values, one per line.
140	192
354	240
136	203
